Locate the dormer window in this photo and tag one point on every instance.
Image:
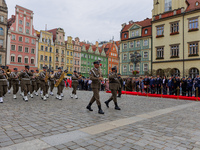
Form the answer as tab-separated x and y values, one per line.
197	3
137	33
168	5
125	35
145	31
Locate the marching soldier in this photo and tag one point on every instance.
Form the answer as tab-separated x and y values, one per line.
33	83
75	78
37	82
189	86
60	87
183	86
121	85
9	79
3	83
96	78
52	83
44	76
15	82
25	82
114	87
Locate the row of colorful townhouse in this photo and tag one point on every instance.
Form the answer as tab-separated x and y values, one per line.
168	43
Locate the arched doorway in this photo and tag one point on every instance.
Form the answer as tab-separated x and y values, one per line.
160	72
175	72
193	72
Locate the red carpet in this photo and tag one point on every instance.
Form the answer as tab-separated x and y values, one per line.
159	95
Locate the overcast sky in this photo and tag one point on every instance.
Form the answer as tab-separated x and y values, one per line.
90	20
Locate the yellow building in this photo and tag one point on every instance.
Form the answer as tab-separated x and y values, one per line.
45	50
176	35
69	55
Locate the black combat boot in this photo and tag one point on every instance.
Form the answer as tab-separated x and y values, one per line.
107	103
117	107
100	110
119	96
89	107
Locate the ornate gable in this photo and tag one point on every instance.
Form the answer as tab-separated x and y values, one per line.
103	53
134	26
83	48
97	51
90	49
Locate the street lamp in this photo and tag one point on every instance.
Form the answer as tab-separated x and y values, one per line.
135	58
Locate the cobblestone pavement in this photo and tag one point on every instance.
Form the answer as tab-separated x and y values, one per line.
23	122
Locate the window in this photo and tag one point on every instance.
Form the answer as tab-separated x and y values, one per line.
32	51
62	60
124	68
33	41
42	47
20	39
194	72
125	46
145	67
125	35
68	53
62	51
56	67
78	62
67	60
27	24
145	31
137	33
41	57
145	42
193	48
32	61
1	31
160	30
12	59
175	27
146	54
71	69
71	53
132	34
27	40
27	31
175	51
26	60
13	47
168	5
19	59
20	22
41	66
138	44
88	63
50	50
57	51
1	43
57	59
46	49
20	48
193	23
50	59
46	58
125	57
197	3
131	68
2	19
131	45
13	37
26	49
20	29
138	67
160	52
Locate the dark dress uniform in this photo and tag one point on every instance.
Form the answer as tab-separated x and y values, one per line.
25	83
120	87
177	86
152	85
44	85
60	86
3	84
164	83
184	87
15	82
74	84
146	84
96	83
170	85
114	87
189	87
158	85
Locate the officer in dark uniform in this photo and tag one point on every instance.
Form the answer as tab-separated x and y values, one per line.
170	85
189	86
177	85
158	84
114	86
152	85
137	84
184	86
146	84
121	85
197	85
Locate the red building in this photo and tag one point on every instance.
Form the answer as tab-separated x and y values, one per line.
22	46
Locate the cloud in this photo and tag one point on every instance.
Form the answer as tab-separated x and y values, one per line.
87	19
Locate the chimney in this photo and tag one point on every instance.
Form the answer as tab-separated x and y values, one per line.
131	22
123	25
97	44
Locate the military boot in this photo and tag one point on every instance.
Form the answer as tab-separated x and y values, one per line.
100	110
117	107
89	107
107	103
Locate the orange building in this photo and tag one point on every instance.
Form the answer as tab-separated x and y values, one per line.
111	50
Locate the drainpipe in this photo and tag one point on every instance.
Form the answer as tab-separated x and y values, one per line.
6	44
183	46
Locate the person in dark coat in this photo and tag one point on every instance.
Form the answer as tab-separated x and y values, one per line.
164	84
170	85
152	85
183	86
146	84
137	84
121	85
177	85
189	86
158	84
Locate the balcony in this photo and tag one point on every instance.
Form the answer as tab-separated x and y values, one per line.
57	54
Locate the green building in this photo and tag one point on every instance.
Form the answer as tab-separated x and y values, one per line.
89	54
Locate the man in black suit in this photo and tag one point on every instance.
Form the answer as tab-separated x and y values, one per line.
158	84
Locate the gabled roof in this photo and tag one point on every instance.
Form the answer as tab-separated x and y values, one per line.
53	31
11	21
192	5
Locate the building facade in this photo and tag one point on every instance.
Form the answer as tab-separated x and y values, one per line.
45	50
3	31
77	55
89	54
69	55
135	37
59	48
176	35
22	45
